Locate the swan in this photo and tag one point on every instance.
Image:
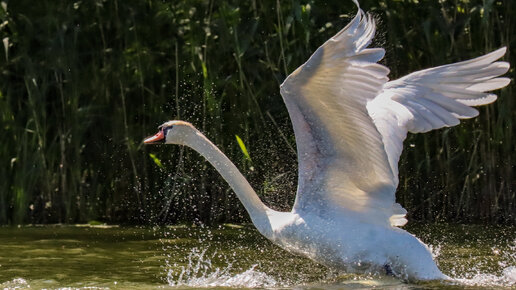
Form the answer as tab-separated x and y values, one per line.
350	122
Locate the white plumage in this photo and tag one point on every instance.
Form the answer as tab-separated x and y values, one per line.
350	123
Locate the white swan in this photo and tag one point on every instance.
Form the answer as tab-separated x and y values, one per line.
350	123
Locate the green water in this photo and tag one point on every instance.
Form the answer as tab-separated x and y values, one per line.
227	256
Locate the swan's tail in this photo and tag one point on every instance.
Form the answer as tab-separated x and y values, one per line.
397	218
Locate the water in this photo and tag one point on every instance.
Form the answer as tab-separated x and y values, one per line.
101	257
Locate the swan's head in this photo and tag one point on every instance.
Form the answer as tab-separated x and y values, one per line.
173	132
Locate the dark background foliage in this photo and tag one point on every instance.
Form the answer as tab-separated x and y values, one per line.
82	83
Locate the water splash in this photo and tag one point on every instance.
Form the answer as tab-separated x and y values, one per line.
506	279
18	283
507	276
200	272
435	250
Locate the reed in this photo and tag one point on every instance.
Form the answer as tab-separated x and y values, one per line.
83	83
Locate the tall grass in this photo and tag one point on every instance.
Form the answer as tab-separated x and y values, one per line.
84	82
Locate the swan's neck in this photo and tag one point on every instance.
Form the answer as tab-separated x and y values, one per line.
252	203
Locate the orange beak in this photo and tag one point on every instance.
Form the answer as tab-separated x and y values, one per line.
158	138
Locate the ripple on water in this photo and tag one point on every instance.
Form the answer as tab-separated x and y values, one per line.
133	258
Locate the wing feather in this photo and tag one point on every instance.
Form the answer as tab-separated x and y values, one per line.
435	98
342	162
350	122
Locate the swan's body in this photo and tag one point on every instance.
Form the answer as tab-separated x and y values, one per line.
350	123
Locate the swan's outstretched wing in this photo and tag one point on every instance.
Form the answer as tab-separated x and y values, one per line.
342	161
349	139
434	98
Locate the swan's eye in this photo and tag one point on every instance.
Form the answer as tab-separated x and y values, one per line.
165	130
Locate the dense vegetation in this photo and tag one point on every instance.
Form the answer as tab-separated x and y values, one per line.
82	83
